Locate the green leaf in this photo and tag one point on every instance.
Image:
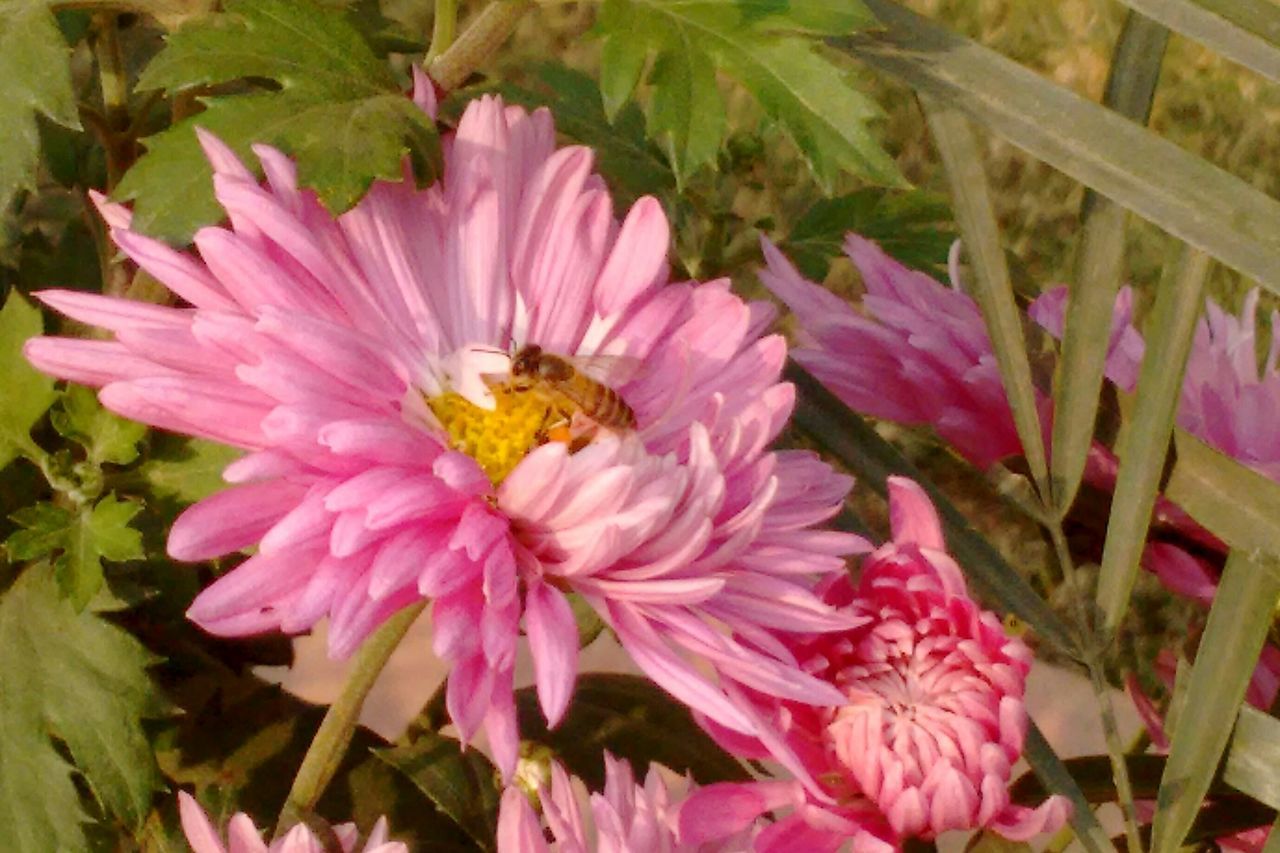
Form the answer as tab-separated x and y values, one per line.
1099	269
81	539
1176	190
914	226
1145	441
849	438
82	680
1253	763
1238	505
336	108
1245	31
25	393
1053	773
992	288
37	81
759	44
462	784
105	437
1233	636
633	719
189	471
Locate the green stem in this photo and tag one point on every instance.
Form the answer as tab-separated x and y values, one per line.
477	43
443	29
1110	731
114	79
339	725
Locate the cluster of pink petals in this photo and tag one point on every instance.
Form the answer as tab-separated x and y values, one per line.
312	343
243	837
626	817
933	720
917	354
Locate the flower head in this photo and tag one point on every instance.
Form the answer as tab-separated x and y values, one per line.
934	715
626	817
243	837
917	354
364	364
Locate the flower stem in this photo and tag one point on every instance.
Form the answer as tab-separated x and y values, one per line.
339	725
443	29
1110	731
114	80
477	43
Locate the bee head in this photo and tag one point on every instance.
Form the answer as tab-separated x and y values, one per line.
526	361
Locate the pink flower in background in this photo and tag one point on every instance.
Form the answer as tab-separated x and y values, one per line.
933	719
362	363
918	352
626	817
1228	399
244	837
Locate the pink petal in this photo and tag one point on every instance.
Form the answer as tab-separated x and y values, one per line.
553	640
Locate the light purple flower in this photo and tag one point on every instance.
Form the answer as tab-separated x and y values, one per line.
361	361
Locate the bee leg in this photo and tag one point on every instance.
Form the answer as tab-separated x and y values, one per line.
582	431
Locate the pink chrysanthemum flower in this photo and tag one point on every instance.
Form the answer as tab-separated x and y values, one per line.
934	715
918	353
626	817
244	837
363	363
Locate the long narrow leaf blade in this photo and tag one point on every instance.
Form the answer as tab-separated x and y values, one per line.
1253	764
953	136
1099	270
1246	31
1233	637
1237	504
1146	438
849	438
1053	774
1183	194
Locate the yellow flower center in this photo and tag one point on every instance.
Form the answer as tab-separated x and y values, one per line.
500	438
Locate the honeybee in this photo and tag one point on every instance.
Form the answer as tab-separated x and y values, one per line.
576	385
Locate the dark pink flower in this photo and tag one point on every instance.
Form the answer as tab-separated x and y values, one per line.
934	715
361	362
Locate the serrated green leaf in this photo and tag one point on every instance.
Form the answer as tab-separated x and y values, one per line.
1242	612
759	44
462	784
37	80
25	393
189	472
1145	441
106	437
336	109
915	227
80	539
633	719
82	680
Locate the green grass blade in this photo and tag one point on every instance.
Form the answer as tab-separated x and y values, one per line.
1238	505
953	137
849	438
1245	31
1145	441
1053	774
1183	194
1253	764
1237	627
1099	270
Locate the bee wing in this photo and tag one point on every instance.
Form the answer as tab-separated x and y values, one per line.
612	370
